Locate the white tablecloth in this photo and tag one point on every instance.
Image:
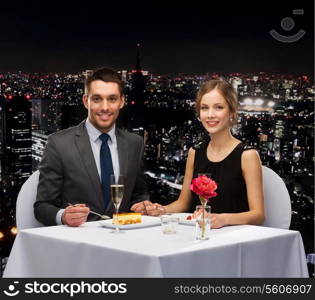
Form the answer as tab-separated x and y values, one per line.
92	251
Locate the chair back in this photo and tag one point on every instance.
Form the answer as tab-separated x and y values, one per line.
277	200
24	204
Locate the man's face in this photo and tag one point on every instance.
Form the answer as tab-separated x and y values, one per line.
103	103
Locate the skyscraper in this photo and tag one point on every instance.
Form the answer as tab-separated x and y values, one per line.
39	141
135	109
137	81
15	137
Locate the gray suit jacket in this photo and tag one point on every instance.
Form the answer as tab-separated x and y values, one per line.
68	174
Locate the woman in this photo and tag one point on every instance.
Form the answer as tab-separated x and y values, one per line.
235	167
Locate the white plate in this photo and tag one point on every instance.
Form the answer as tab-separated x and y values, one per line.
146	221
183	220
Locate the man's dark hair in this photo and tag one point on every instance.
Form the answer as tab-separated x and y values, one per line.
106	75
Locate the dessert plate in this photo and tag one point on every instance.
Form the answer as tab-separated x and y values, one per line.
183	219
146	221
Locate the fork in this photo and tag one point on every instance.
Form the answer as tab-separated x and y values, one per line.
104	217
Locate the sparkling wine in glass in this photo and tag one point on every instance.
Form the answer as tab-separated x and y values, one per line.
117	193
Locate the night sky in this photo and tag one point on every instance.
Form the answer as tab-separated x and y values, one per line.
194	38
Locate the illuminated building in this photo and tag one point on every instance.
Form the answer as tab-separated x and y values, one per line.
46	115
136	97
39	141
16	137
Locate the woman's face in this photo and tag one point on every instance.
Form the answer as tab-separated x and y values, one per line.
214	112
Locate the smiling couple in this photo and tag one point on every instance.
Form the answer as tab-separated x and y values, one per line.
78	161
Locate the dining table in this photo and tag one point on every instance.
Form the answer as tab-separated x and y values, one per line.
94	250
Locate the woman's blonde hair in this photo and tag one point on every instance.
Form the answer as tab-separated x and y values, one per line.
226	90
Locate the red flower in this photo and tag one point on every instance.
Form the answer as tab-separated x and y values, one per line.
204	187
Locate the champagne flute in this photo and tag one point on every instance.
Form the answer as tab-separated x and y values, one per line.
117	192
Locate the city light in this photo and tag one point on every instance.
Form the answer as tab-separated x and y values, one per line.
248	101
259	102
14	230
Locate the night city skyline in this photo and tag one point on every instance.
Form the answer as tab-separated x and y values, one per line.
275	115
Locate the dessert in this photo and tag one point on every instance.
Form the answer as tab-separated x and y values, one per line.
194	215
127	218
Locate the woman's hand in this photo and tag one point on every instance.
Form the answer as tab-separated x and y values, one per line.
155	209
148	208
141	207
218	220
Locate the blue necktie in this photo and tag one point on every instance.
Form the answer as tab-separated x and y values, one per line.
106	167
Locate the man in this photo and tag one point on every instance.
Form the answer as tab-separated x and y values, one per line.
77	162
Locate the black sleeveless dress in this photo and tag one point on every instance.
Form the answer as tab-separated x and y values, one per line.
232	195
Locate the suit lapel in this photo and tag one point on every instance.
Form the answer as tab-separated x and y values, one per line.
122	147
84	147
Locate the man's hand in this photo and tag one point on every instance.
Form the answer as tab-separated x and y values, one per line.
75	215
